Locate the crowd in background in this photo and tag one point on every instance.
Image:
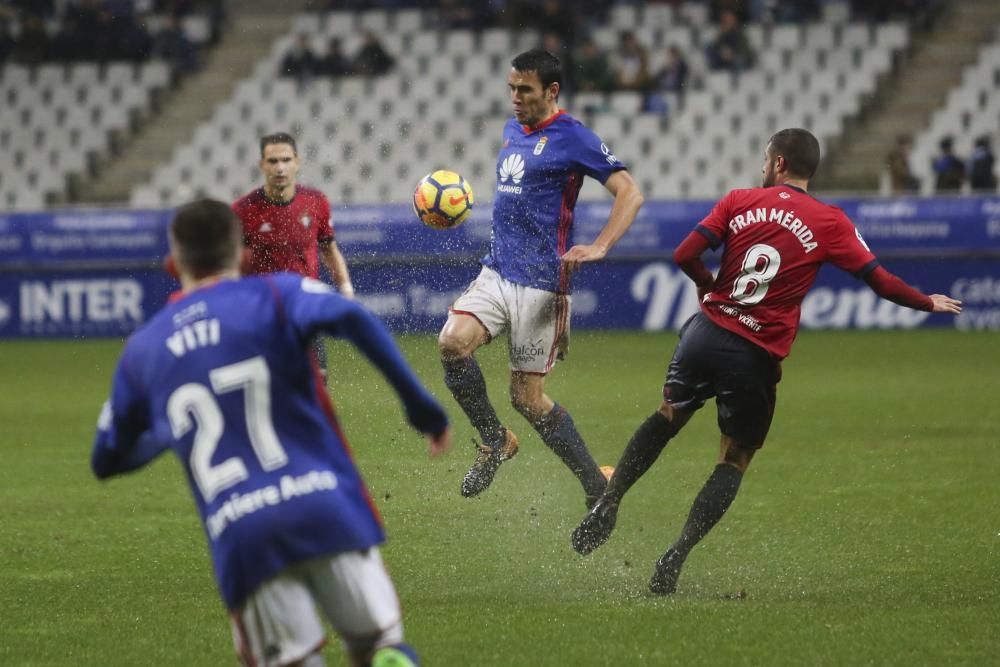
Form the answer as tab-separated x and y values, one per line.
33	32
951	172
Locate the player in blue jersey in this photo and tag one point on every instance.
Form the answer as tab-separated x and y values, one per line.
222	377
524	286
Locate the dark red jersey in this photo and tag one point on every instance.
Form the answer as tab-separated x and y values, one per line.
285	236
775	241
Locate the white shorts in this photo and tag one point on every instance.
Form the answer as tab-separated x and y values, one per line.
279	624
538	320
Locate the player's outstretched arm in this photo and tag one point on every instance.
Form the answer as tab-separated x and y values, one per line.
893	288
628	201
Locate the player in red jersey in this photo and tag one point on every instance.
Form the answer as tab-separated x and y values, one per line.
775	240
286	226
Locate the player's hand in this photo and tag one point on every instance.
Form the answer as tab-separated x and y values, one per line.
579	254
705	289
440	443
945	304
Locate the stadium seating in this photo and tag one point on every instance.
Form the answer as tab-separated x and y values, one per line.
55	119
444	105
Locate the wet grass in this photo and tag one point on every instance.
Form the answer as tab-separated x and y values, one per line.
866	532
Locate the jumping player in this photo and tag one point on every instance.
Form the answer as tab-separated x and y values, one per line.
222	377
287	226
524	286
775	240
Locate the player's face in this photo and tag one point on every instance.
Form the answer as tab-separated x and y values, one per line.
280	165
769	171
532	103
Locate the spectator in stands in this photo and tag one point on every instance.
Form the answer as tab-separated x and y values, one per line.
131	40
23	8
898	161
672	78
462	15
334	63
553	16
794	11
949	170
631	63
731	49
69	44
741	8
172	44
32	46
981	175
554	43
93	24
372	59
591	71
300	63
6	41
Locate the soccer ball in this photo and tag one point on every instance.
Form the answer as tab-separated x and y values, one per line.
443	199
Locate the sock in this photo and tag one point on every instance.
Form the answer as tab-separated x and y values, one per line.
712	502
560	435
464	378
641	452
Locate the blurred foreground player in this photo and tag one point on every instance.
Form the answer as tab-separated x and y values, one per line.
286	226
775	240
222	377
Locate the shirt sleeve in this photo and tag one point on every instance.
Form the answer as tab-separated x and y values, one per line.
124	440
848	251
312	307
593	157
324	222
715	226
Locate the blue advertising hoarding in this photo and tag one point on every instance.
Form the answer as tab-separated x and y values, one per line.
96	273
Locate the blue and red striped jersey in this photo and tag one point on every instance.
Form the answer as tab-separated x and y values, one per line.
540	172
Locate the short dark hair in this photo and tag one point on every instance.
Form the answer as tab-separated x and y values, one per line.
800	150
278	138
207	236
541	62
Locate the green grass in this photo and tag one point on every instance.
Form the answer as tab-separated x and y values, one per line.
866	532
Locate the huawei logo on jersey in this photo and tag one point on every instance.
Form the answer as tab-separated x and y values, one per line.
306	221
266	227
511	169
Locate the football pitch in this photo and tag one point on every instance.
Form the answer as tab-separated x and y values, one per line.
866	532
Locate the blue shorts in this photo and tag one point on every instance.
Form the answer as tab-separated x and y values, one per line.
742	376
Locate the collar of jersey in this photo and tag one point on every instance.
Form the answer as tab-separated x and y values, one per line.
544	124
263	193
181	294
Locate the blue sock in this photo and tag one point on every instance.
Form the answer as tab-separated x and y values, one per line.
560	435
464	379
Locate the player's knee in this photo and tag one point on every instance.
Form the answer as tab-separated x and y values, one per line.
451	346
739	452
